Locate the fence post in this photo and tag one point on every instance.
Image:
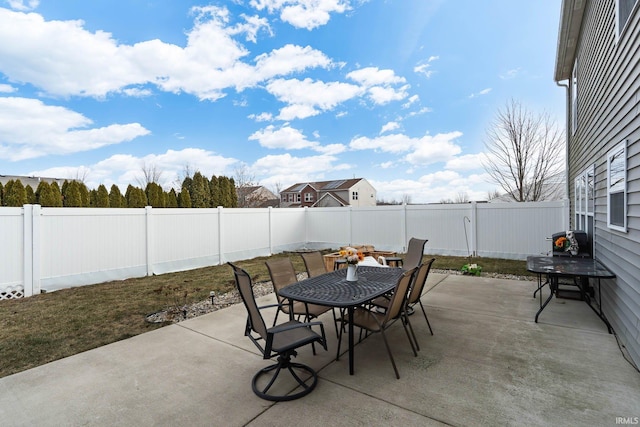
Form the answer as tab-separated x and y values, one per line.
306	226
474	228
149	237
403	225
27	253
35	249
270	230
350	227
220	240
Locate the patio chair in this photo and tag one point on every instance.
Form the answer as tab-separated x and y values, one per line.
370	320
282	341
283	274
415	251
413	298
314	263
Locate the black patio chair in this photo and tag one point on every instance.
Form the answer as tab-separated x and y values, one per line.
281	340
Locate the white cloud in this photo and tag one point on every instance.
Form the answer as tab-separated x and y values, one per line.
285	137
288	165
125	169
22	6
481	93
262	117
510	74
308	97
307	14
384	95
421	151
64	59
5	88
389	127
466	162
372	76
412	100
29	129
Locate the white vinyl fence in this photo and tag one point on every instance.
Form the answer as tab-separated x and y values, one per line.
45	249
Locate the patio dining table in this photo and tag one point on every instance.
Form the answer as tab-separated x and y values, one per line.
555	267
333	290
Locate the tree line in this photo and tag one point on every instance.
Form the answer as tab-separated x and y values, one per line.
196	192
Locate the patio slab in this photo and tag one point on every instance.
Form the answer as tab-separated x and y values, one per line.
487	363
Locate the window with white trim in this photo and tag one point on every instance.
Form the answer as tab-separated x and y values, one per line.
354	195
308	197
617	188
298	197
584	188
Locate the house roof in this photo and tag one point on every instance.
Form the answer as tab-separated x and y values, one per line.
333	196
570	23
321	186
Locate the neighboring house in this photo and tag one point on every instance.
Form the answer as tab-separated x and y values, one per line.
256	197
598	56
344	192
33	181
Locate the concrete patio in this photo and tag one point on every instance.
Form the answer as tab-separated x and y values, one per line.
487	363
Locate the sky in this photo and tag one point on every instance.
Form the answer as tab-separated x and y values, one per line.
399	92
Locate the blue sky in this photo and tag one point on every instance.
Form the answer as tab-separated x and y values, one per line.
400	92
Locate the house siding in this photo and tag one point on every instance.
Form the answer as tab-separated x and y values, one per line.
609	113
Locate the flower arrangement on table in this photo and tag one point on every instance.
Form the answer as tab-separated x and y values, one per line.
561	244
472	269
352	255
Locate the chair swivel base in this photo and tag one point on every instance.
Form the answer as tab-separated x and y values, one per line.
284	364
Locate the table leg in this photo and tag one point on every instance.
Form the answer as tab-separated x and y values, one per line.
351	310
552	287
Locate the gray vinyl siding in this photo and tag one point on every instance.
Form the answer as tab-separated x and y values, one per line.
609	113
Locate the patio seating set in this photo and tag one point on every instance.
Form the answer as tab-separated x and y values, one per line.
381	296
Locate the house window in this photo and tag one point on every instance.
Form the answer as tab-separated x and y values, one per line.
624	9
308	197
584	201
617	188
284	197
574	98
298	197
354	195
291	198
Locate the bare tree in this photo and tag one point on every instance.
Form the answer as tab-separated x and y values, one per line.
524	153
406	199
461	197
150	174
249	196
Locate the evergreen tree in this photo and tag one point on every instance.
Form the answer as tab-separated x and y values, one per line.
15	194
214	190
171	198
233	193
188	184
115	197
93	198
1	193
31	196
200	196
72	196
184	198
85	196
45	195
154	195
136	197
56	197
102	197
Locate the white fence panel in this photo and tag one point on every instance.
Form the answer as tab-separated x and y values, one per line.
515	230
443	225
288	228
184	239
11	252
245	233
79	246
380	226
51	248
329	227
